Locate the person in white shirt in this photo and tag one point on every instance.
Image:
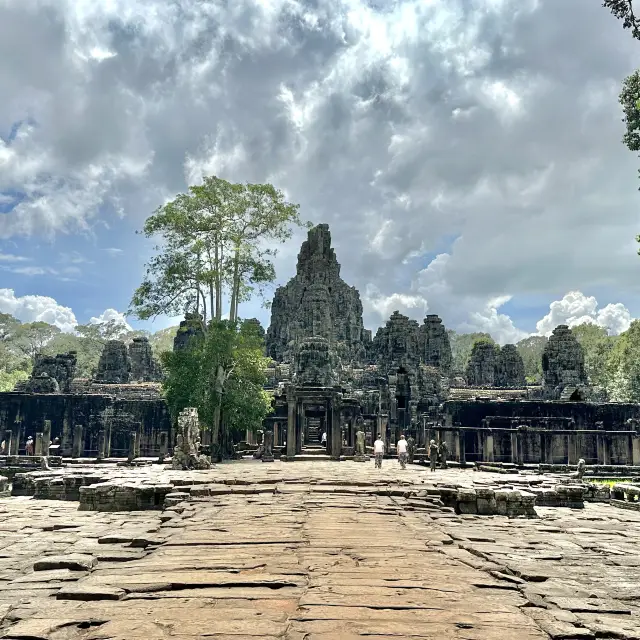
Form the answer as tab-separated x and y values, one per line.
378	451
401	448
323	441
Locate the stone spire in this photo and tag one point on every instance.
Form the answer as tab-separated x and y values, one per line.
114	366
316	303
396	344
435	348
509	367
481	368
563	361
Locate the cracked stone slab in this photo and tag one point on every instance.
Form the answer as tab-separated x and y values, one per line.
73	562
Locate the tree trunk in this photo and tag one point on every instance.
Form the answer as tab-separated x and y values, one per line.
218	276
235	287
218	389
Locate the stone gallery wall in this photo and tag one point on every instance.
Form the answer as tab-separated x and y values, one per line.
585	414
24	415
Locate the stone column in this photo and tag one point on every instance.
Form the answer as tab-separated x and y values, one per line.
336	431
267	443
133	446
489	455
164	446
18	436
291	428
66	442
301	426
78	442
138	438
46	437
606	448
102	444
515	442
107	446
462	448
276	434
38	444
572	446
635	448
601	448
8	442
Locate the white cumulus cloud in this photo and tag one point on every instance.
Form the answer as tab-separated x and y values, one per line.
575	308
37	309
109	315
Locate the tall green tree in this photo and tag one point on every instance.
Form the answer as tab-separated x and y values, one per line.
9	379
216	242
597	345
193	379
12	358
630	94
215	245
531	349
32	337
623	366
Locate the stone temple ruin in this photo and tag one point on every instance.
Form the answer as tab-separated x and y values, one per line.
91	418
331	375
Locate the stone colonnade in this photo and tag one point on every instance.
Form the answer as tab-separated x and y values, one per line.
525	445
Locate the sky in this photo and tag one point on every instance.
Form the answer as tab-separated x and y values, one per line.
466	154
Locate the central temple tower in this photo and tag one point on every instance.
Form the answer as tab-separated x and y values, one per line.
317	303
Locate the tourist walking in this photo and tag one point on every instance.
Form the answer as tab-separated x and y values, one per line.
28	447
444	452
378	451
401	449
323	440
433	454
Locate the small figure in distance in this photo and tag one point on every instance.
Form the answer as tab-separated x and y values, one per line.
378	451
433	454
444	452
401	448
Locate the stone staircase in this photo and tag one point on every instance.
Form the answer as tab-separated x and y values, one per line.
314	433
313	452
566	394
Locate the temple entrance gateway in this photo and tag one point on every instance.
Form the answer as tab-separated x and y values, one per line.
302	423
315	420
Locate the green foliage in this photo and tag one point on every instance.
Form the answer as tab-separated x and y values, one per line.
629	101
530	349
87	351
597	345
8	379
630	94
461	346
30	338
20	342
216	242
623	366
162	340
623	10
194	378
8	326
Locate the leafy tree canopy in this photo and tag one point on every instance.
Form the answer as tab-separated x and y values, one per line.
461	346
194	378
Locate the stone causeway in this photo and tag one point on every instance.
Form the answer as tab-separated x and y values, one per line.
318	550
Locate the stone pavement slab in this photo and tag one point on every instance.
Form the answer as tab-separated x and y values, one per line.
335	557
